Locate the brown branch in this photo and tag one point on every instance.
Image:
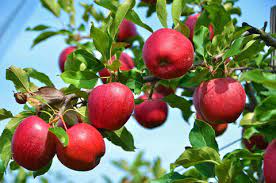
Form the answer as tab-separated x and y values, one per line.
251	96
247	68
150	79
268	39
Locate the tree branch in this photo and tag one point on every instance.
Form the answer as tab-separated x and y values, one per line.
268	39
251	97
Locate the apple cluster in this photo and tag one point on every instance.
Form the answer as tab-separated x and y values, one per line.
167	54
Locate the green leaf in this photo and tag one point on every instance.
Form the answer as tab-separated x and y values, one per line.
248	120
178	102
115	65
13	165
84	113
121	137
81	56
43	170
268	80
200	39
43	78
193	79
38	28
266	111
19	78
195	156
184	29
169	178
80	79
61	134
161	10
52	6
120	14
102	41
5	114
243	154
235	48
231	171
134	17
177	10
131	15
218	15
203	135
43	36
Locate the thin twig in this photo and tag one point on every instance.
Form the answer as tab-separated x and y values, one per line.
228	145
251	97
268	39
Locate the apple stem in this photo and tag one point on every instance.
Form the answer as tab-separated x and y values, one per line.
62	120
151	90
54	120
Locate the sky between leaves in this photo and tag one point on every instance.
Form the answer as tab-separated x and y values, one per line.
167	141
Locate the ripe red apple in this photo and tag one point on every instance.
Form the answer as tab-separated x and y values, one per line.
126	64
191	23
84	150
33	146
221	100
63	56
110	106
168	54
270	163
219	128
151	113
127	30
256	141
163	90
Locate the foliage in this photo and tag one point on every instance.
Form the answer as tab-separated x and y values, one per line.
232	52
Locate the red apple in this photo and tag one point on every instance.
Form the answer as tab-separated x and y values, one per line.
33	146
191	23
151	113
84	150
219	128
270	163
221	100
163	90
110	106
126	64
168	54
256	141
127	30
63	56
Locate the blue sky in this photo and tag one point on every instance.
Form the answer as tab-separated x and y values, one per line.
168	141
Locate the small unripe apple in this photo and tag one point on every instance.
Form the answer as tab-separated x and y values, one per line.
127	30
191	24
152	112
270	163
168	54
163	90
256	141
110	106
126	64
70	119
84	150
219	128
33	146
63	56
221	100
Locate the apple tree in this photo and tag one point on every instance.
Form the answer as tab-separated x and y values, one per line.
222	69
